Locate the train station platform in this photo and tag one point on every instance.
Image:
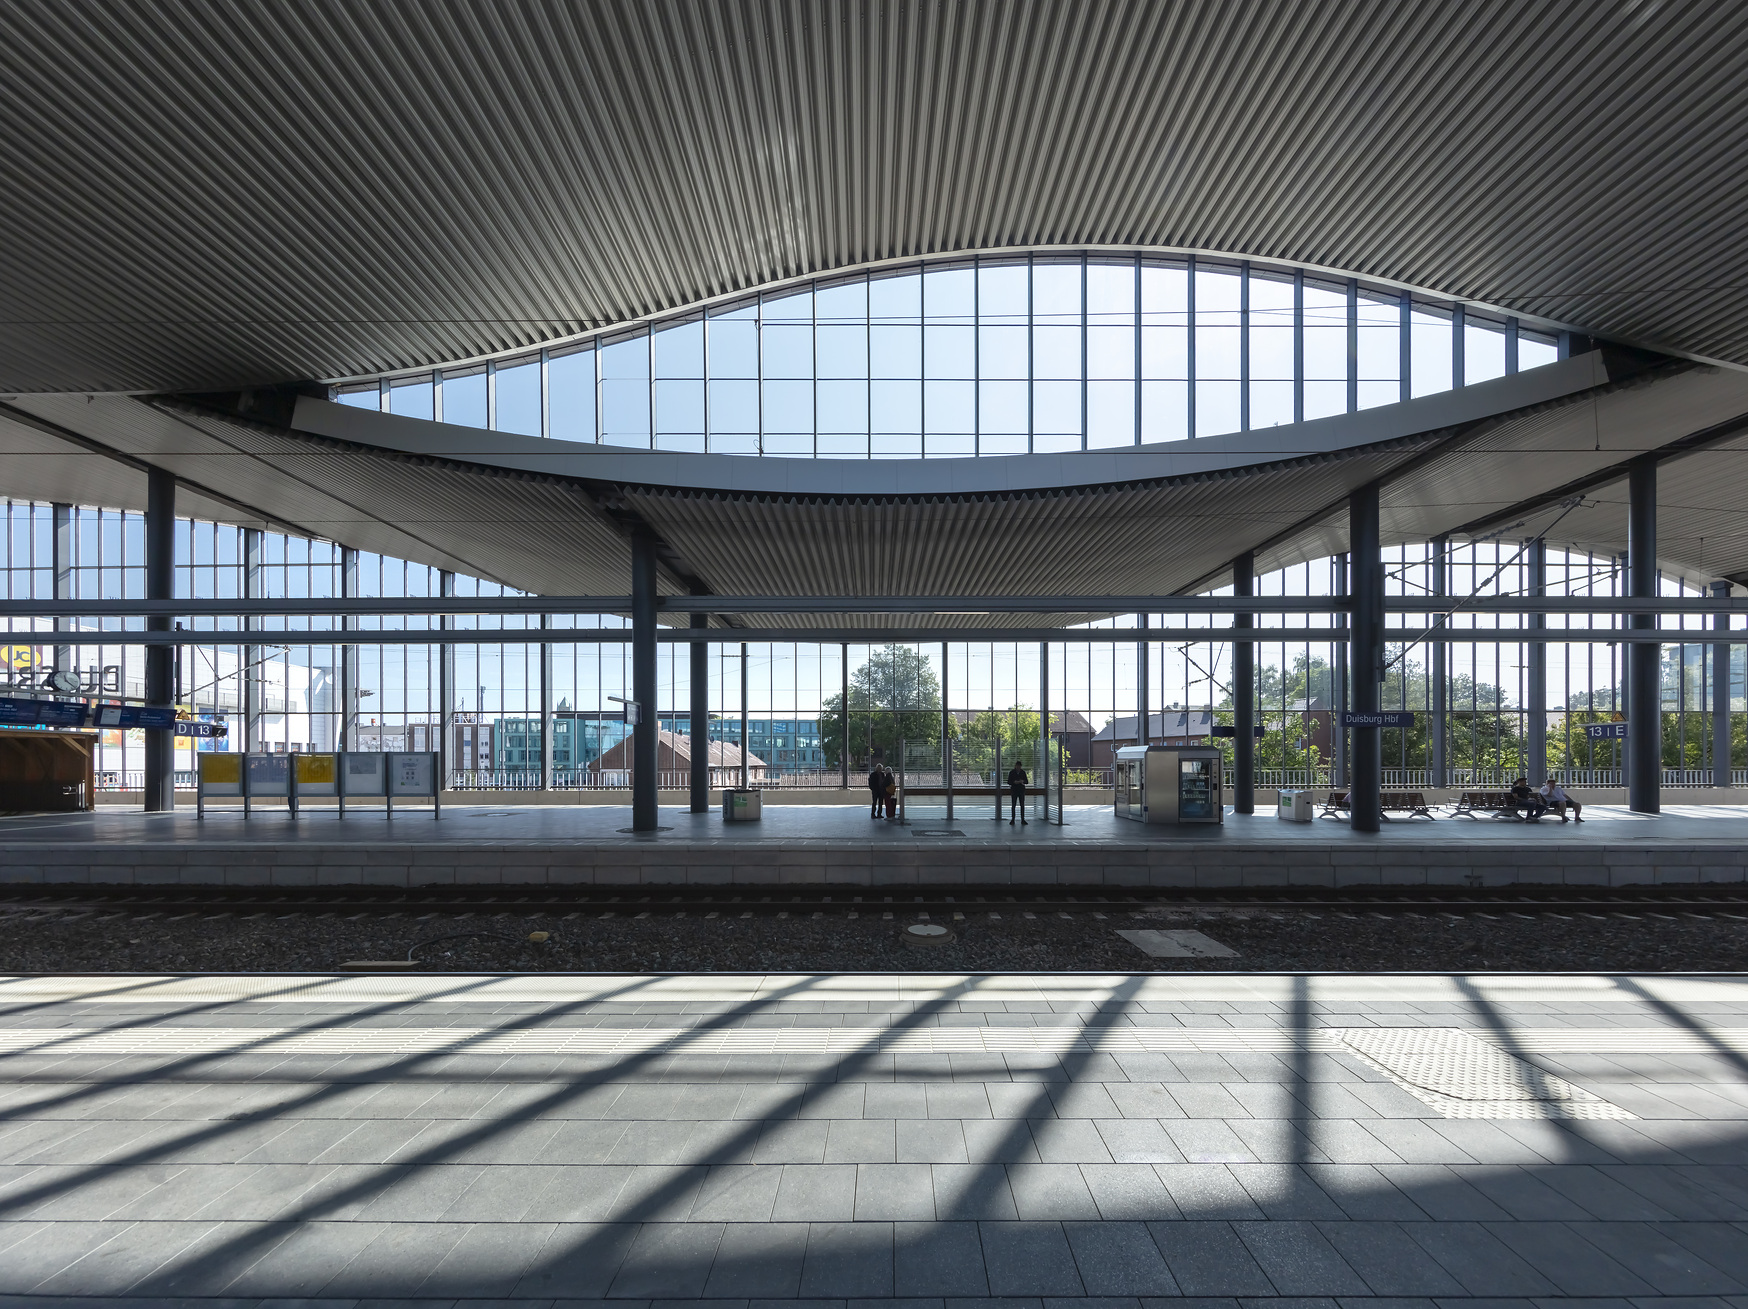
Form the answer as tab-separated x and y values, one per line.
1307	1142
839	845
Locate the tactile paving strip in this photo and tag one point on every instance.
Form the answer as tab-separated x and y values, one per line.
1462	1076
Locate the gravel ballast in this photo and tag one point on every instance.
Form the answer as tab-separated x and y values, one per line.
669	941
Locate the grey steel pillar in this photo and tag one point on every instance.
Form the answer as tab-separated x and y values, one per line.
946	738
160	659
1437	674
1721	736
254	689
1142	698
547	725
349	687
446	689
745	769
1536	669
1044	723
844	705
644	782
1366	657
1338	678
1644	659
1244	693
699	720
61	559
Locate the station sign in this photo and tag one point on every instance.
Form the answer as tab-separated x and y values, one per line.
1606	731
203	731
1386	718
41	713
119	715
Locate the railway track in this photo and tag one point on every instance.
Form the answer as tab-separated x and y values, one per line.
1722	902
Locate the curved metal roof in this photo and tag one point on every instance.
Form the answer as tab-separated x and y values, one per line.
203	194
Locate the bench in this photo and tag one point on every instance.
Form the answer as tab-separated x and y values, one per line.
1501	804
1410	803
998	792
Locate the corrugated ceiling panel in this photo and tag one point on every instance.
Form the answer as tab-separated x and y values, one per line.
204	193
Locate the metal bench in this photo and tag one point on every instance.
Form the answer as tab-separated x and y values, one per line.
1500	804
1411	803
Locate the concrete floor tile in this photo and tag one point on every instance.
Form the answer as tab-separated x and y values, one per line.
397	1261
1298	1260
737	1193
1118	1258
578	1261
758	1259
850	1260
1573	1265
1479	1263
1044	1192
863	1141
1415	1142
1136	1141
584	1141
642	1142
797	1141
1204	1191
1208	1259
1144	1100
1441	1192
944	1259
929	1141
95	1193
1129	1192
1285	1191
1601	1196
658	1193
957	1100
421	1195
890	1192
127	1254
1071	1141
1364	1193
668	1259
1668	1266
999	1141
578	1193
895	1100
301	1259
818	1192
1388	1259
1029	1259
972	1191
489	1261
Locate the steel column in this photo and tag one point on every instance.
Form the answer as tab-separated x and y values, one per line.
1044	724
548	725
946	736
1536	668
1644	661
1721	734
254	691
700	721
1142	698
745	772
1244	694
1437	673
1338	679
844	708
1366	657
160	786
61	560
644	760
446	690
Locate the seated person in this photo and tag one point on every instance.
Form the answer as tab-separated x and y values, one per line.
1557	800
1529	801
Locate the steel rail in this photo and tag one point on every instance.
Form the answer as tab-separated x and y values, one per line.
966	605
879	636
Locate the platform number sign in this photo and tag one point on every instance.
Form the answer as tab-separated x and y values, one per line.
1606	731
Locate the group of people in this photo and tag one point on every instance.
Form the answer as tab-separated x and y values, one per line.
1540	800
883	793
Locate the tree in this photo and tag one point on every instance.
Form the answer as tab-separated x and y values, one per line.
894	696
1009	734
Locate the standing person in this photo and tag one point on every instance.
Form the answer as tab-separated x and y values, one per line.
1557	799
889	789
1017	784
876	789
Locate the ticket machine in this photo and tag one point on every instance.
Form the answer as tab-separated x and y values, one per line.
1171	784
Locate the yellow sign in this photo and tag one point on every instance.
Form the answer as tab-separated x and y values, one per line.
314	768
221	768
19	657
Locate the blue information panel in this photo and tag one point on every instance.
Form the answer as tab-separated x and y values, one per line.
1386	718
42	713
1606	731
202	730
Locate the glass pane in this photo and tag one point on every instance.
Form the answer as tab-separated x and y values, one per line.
842	446
1003	408
1380	344
1483	353
1165	411
1271	334
1217	322
895	299
734	344
949	407
691	442
897	406
627	360
1373	394
948	352
679	351
679	406
1216	407
734	407
950	446
1326	338
795	445
519	398
1002	443
366	398
1430	340
896	351
412	399
1110	353
1056	408
1164	323
896	447
788	351
1533	353
464	399
846	304
1002	294
1271	403
1110	414
625	413
843	407
949	295
570	381
788	408
795	307
1325	398
842	351
738	443
1002	352
1056	353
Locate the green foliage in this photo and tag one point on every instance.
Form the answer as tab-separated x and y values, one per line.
1014	730
894	696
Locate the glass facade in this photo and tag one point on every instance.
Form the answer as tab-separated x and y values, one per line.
990	356
289	697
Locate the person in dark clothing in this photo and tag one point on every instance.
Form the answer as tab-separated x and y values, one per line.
1529	801
876	790
1017	784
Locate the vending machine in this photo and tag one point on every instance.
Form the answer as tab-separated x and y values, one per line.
1171	784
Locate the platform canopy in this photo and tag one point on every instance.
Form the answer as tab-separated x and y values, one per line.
205	194
1537	452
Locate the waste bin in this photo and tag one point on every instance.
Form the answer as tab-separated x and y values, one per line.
740	806
1294	806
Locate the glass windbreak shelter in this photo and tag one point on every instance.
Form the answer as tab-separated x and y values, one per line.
1170	784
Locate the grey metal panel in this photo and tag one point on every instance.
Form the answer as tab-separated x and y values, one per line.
203	193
